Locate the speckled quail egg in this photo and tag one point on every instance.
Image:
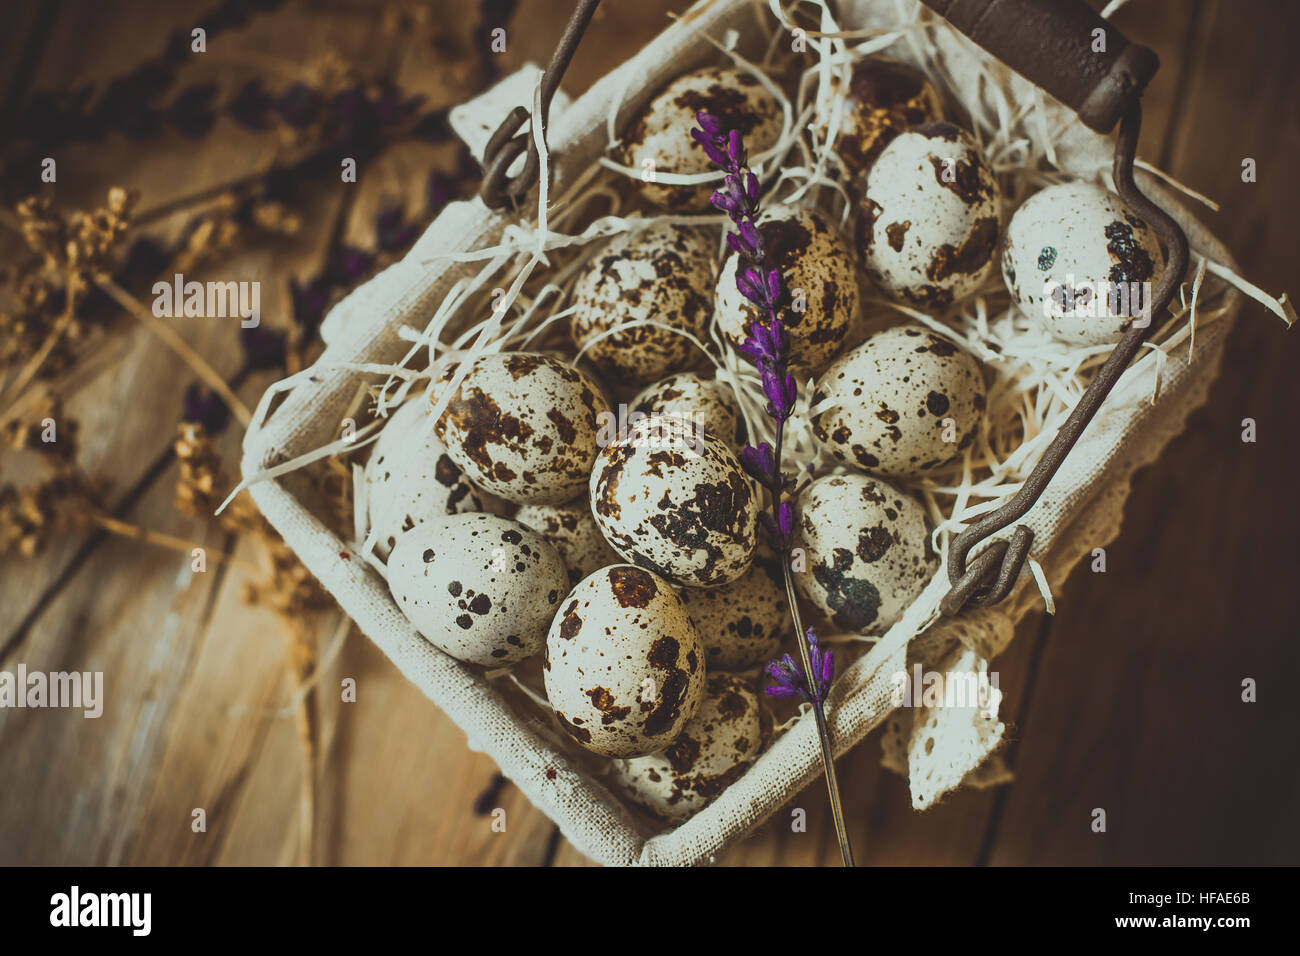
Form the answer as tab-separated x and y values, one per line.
928	223
904	401
821	283
867	548
671	497
714	749
742	624
707	401
572	529
523	426
661	274
480	587
885	97
1065	247
659	139
410	478
624	667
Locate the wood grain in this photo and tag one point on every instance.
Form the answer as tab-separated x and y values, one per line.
1129	700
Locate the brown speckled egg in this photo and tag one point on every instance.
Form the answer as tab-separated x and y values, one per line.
410	478
886	405
1067	247
707	401
572	529
927	227
671	497
742	624
885	97
523	426
868	551
662	274
661	133
714	749
821	280
624	667
481	588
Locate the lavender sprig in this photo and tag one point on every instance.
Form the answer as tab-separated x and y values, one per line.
790	680
768	346
766	341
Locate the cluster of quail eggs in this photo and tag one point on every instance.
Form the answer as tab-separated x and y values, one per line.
585	506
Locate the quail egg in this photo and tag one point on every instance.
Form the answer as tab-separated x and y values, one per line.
662	274
904	401
624	667
671	497
572	529
1078	261
742	624
821	285
885	97
659	139
410	478
868	552
706	401
523	426
927	226
714	749
480	587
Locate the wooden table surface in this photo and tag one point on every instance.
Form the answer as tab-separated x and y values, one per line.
1129	699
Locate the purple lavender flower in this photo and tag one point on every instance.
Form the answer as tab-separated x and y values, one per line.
767	344
310	300
263	347
790	680
204	407
392	231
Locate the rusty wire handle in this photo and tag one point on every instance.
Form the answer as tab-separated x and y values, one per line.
508	144
1054	44
1007	562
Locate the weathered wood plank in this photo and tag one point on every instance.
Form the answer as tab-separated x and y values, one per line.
1138	709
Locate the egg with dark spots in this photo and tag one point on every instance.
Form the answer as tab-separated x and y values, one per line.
624	667
671	497
662	274
479	587
867	550
658	140
523	426
1080	263
744	623
707	402
904	402
410	478
572	529
714	749
885	97
822	294
928	222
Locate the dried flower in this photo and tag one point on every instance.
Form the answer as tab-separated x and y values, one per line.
790	680
768	346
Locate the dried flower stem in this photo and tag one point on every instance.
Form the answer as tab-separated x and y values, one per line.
768	345
178	345
28	372
136	533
